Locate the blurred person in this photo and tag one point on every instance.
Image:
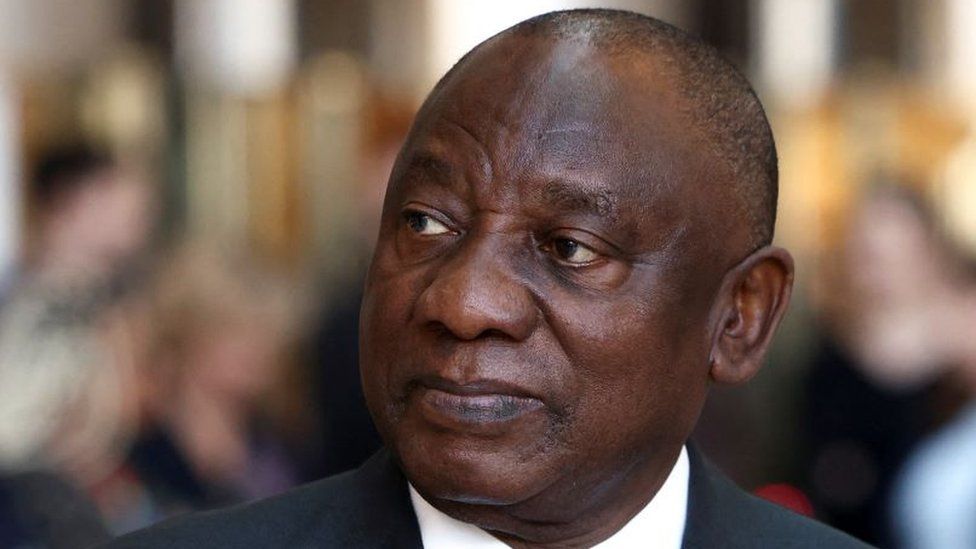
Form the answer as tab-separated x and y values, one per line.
219	332
935	497
93	217
874	388
575	245
899	273
67	346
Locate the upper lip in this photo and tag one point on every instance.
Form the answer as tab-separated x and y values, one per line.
477	387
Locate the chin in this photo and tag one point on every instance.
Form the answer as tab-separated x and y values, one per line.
472	471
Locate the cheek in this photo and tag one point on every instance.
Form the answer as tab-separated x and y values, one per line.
390	295
639	366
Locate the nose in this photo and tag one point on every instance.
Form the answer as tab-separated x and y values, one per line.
477	293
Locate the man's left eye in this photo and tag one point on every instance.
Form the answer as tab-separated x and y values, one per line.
426	225
573	252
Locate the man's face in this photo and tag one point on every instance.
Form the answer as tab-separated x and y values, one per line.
535	314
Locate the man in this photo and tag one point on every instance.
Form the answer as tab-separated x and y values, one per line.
574	246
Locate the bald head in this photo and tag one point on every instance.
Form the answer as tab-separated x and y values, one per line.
713	97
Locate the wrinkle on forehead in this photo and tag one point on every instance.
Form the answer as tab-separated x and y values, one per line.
482	149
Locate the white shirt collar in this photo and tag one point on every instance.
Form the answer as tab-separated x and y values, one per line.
660	524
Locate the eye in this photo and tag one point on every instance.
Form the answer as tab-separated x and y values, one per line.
424	224
572	251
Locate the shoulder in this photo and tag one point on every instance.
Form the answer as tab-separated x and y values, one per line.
720	514
760	523
368	507
272	522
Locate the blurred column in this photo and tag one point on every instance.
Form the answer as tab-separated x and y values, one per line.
957	192
796	48
10	177
960	45
242	47
334	90
238	59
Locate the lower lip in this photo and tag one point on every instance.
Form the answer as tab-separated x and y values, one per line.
453	410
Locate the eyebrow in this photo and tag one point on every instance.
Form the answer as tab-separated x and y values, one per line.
575	197
430	164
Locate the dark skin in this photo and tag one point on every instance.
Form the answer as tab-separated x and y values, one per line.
559	277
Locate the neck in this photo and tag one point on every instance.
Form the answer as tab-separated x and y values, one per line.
599	507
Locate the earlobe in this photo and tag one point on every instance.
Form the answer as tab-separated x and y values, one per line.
748	309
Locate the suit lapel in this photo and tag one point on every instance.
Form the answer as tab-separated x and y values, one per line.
709	493
386	514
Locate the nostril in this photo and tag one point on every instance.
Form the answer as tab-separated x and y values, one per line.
493	334
440	329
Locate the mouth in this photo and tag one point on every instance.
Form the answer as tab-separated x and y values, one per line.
472	406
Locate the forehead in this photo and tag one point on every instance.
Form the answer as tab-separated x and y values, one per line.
529	100
561	120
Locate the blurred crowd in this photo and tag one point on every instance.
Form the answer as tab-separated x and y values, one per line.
137	380
180	331
144	376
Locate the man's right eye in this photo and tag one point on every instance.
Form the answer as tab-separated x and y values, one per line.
424	224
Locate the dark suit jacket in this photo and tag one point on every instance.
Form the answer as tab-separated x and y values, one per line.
370	507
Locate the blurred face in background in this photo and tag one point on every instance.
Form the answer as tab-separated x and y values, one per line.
890	252
234	361
99	225
219	326
898	291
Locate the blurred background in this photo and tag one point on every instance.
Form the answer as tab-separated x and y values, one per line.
189	190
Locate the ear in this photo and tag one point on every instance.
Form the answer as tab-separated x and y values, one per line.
747	310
